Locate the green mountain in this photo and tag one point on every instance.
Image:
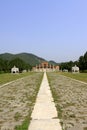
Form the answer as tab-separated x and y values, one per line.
6	56
52	62
26	57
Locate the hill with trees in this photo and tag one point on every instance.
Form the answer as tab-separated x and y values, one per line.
26	57
21	60
27	61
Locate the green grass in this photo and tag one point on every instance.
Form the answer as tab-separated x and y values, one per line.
4	78
24	125
77	76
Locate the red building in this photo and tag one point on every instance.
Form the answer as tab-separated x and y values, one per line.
45	66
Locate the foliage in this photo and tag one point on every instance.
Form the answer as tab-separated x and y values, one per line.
67	65
26	57
5	65
81	63
19	63
1	64
26	61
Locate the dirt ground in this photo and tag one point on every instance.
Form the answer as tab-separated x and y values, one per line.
17	101
70	99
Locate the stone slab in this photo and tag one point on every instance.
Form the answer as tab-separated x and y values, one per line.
52	124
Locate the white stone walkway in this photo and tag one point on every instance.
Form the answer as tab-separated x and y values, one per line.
44	115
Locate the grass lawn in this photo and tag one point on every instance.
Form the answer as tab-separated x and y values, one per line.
4	78
77	76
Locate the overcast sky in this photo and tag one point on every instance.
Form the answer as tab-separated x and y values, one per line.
52	29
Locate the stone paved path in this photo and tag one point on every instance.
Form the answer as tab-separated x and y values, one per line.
44	116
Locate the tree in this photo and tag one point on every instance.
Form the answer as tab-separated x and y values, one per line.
18	63
81	62
67	65
85	61
28	67
6	66
1	65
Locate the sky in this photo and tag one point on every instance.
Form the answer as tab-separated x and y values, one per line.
51	29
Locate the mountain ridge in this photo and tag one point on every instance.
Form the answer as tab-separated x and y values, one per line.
29	58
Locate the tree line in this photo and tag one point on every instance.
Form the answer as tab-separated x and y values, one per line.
5	65
81	63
